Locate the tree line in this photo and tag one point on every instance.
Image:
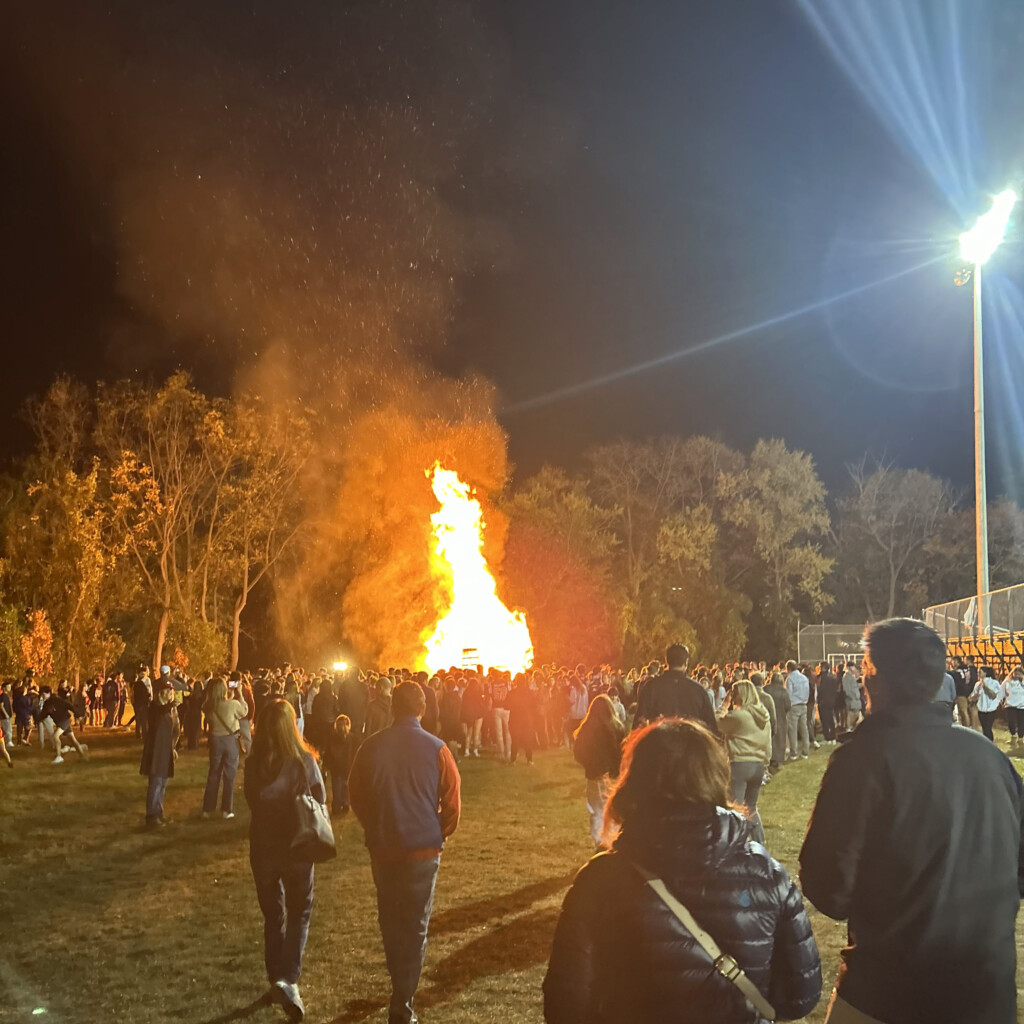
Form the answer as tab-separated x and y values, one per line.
146	516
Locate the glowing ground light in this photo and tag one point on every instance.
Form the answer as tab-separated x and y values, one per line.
476	618
978	244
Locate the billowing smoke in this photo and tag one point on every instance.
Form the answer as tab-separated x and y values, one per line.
286	198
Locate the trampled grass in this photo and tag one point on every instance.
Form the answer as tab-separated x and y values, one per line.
104	921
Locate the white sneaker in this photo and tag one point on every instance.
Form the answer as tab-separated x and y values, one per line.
803	757
817	745
206	814
58	760
228	815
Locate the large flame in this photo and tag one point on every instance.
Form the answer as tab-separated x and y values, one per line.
476	620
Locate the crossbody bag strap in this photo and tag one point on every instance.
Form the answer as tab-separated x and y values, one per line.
219	718
723	963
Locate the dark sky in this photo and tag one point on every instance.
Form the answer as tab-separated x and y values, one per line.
632	180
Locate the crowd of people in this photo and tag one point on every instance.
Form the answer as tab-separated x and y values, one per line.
674	759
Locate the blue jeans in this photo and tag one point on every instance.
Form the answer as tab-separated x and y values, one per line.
223	765
405	895
155	797
285	893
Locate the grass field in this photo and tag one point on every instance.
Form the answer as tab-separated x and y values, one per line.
104	921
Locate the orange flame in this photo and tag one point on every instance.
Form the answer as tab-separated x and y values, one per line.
476	620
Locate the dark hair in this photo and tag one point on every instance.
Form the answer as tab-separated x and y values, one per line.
677	655
408	699
668	765
909	656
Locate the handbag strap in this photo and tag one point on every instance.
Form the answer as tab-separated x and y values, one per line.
723	963
220	719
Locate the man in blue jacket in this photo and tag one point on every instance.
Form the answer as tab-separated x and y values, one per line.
916	840
404	789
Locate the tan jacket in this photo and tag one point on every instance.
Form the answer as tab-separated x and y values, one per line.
747	733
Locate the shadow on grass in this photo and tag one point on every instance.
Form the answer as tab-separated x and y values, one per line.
519	945
470	915
241	1012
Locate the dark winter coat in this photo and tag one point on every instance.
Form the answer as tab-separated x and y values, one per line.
450	712
473	704
916	839
620	956
158	747
597	747
378	714
522	709
272	803
674	695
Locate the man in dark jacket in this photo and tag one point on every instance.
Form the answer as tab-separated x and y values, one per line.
404	789
916	839
158	751
674	694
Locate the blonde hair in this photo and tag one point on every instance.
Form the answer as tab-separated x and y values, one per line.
745	693
216	693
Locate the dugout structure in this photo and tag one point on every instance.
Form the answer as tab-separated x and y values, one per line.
829	641
1000	643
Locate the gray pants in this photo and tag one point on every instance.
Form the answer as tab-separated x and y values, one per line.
405	895
797	722
746	787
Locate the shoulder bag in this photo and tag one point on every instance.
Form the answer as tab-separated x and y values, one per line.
313	841
723	963
242	749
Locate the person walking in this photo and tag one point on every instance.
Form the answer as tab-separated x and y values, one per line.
915	839
58	711
224	715
673	694
851	697
988	694
281	768
597	748
1013	697
338	759
799	689
626	948
746	726
159	751
404	789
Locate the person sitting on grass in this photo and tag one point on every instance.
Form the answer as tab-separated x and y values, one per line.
57	710
623	951
158	751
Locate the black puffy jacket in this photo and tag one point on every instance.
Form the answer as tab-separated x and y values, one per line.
620	955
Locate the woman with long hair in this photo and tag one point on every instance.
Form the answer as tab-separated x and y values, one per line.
280	768
597	747
621	952
746	726
224	716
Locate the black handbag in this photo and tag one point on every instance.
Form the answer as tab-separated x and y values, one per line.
313	841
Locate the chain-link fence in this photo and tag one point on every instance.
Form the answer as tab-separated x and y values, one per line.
959	620
829	641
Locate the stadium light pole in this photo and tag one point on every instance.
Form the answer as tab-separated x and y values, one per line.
976	248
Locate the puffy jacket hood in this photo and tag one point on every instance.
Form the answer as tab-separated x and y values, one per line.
685	842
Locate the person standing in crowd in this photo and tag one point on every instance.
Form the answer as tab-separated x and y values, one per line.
225	715
338	759
57	710
192	714
280	769
450	712
473	707
430	720
597	748
1013	696
404	788
159	751
293	697
522	714
142	697
946	695
777	692
813	677
828	686
6	715
746	726
320	720
378	712
916	840
851	697
674	694
499	700
988	695
796	721
353	700
578	700
966	709
621	952
21	702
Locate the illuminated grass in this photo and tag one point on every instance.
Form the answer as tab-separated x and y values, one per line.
165	927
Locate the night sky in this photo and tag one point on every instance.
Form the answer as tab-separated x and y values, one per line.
619	182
